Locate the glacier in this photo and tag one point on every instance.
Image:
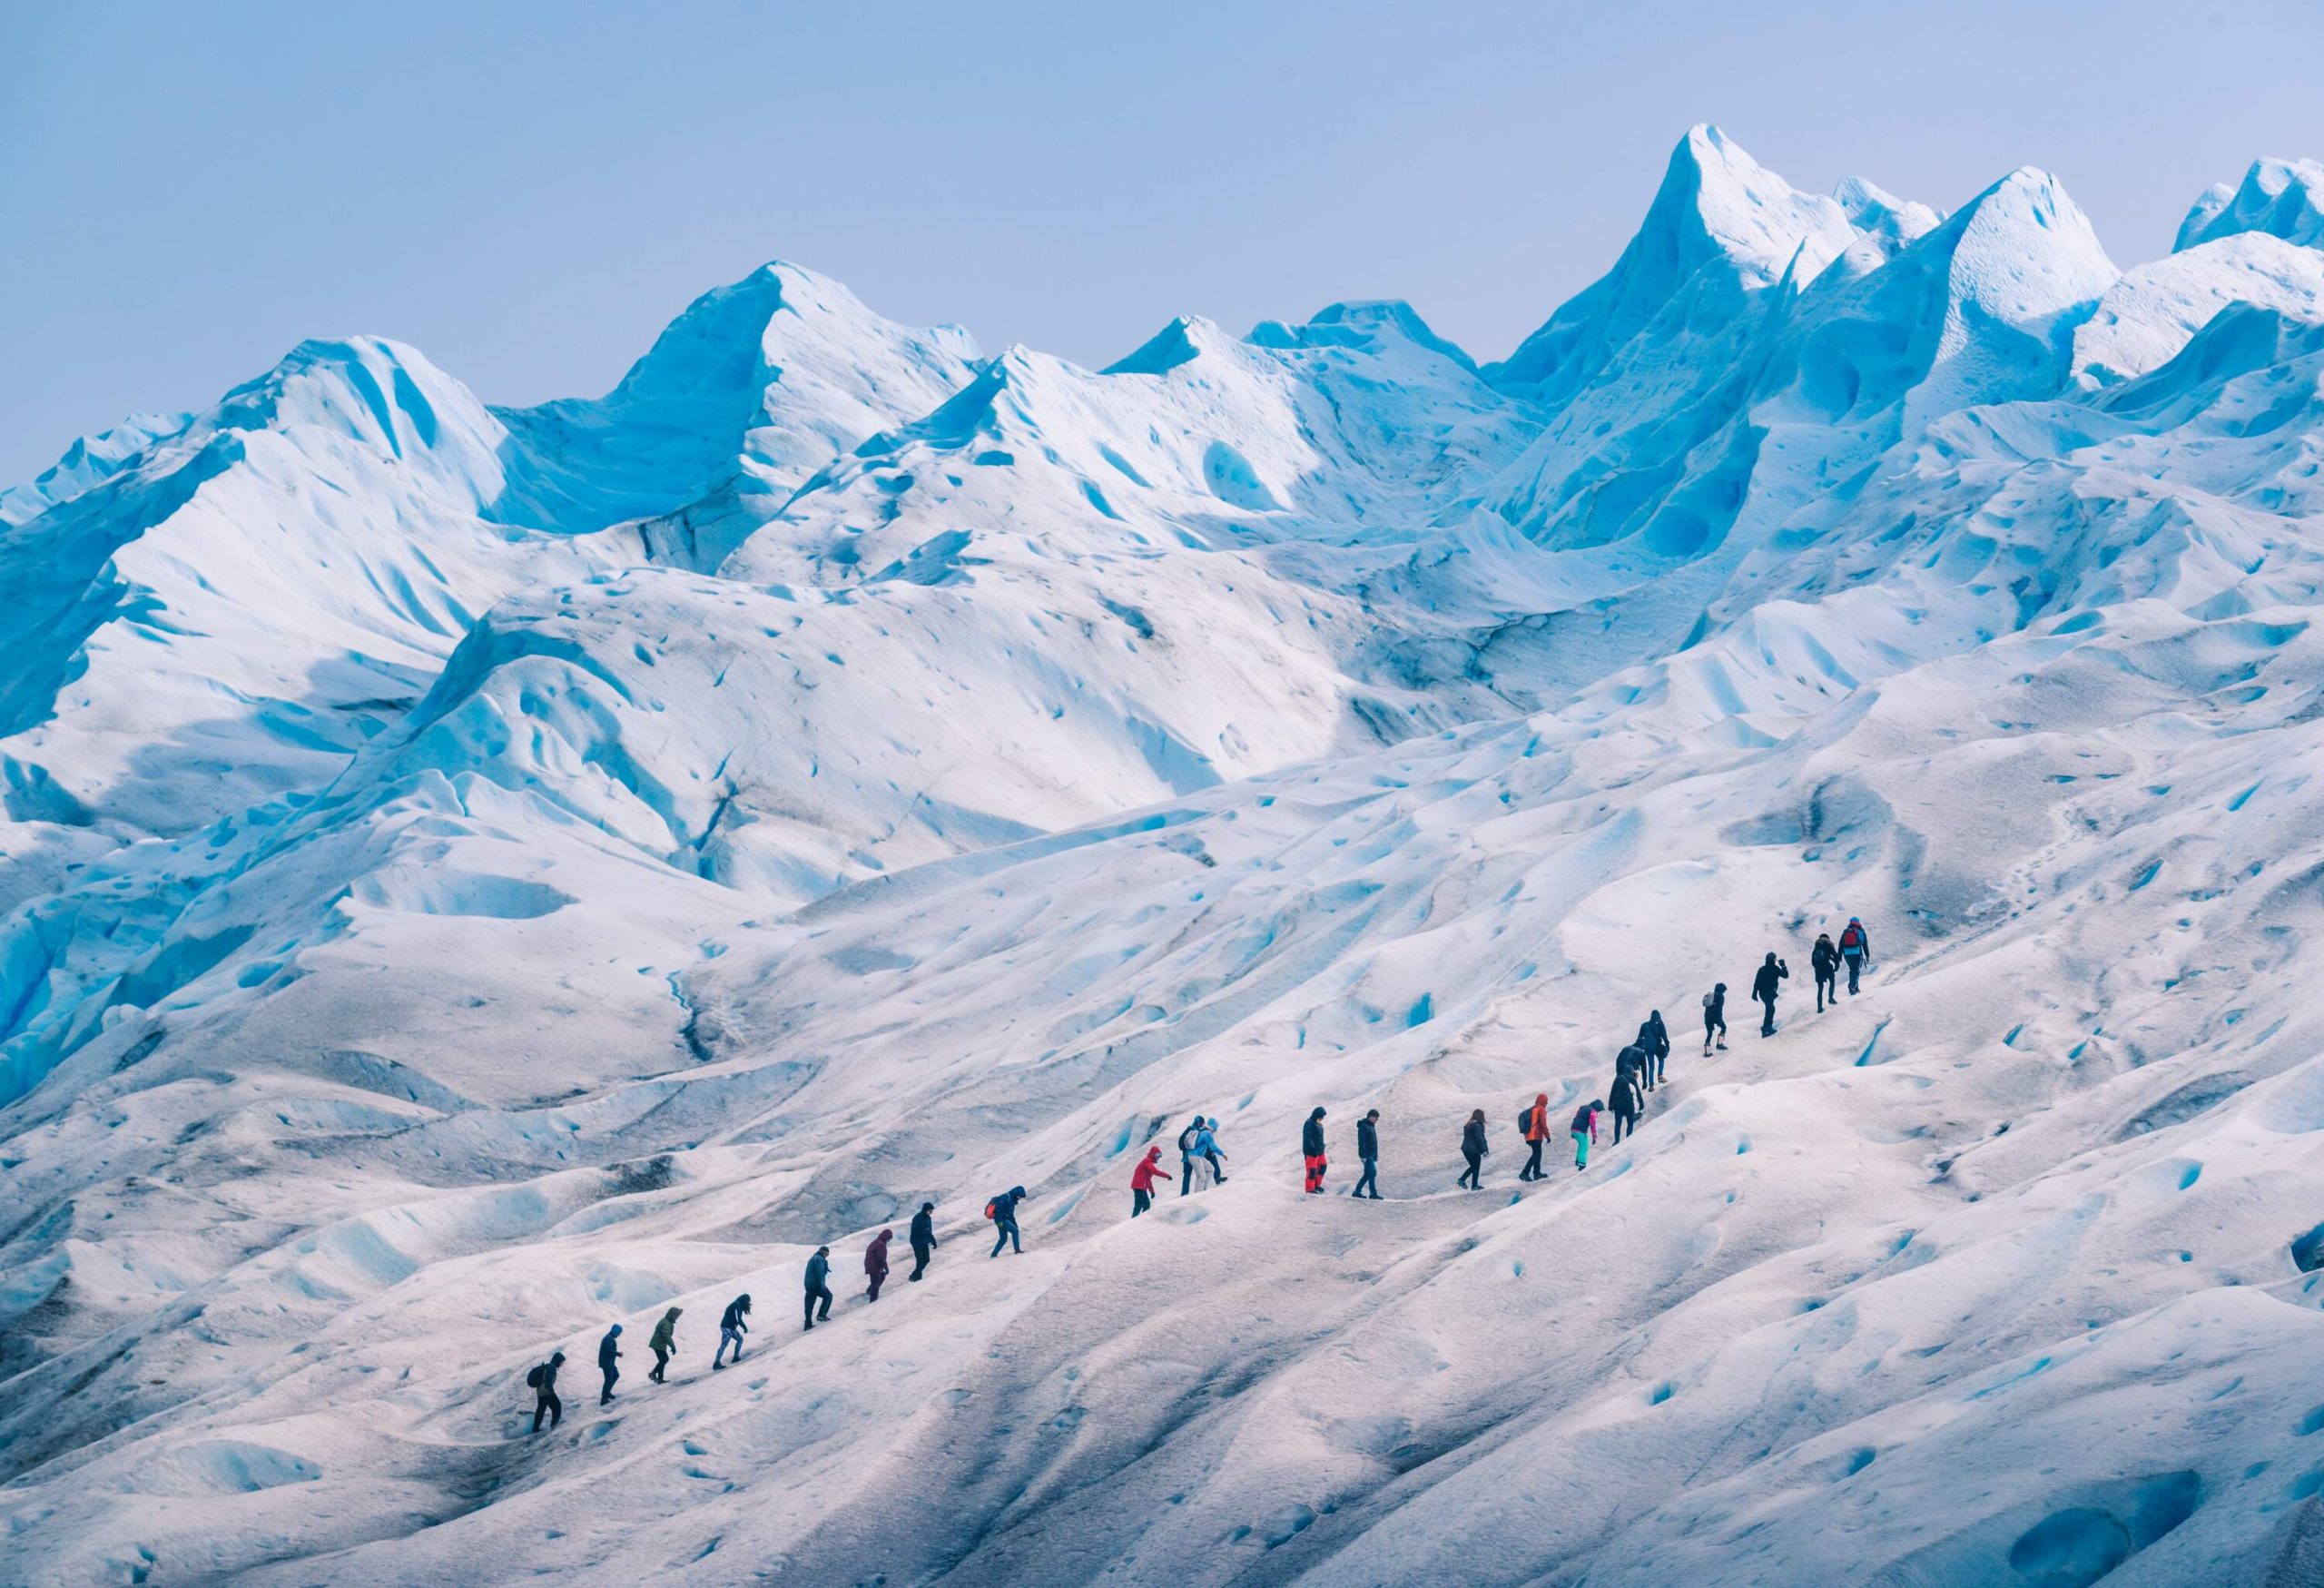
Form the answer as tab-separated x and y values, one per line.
472	876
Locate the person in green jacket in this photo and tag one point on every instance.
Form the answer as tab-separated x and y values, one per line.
663	1343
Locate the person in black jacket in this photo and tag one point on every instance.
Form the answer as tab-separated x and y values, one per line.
819	1273
1764	987
1311	1148
1474	1148
544	1381
732	1324
1626	1104
1367	1153
1824	961
1631	1064
1654	1041
923	1238
609	1354
1715	1018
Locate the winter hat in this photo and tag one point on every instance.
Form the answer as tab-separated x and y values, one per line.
616	1329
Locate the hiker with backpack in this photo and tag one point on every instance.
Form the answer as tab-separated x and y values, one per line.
1715	1018
542	1382
1311	1149
875	1263
608	1354
818	1288
732	1324
1630	1065
1654	1041
1765	986
1141	1180
1585	1131
1002	1211
923	1240
1367	1153
1474	1148
663	1343
1855	951
1626	1104
1824	961
1187	1152
1534	1130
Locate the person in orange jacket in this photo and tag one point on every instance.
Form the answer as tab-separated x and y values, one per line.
1536	1121
1142	1178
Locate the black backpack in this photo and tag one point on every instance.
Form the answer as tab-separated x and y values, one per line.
1525	1120
532	1379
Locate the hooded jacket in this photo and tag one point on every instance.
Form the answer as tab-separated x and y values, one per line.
875	1256
1537	1123
1653	1036
1367	1140
608	1348
1141	1179
923	1230
1311	1135
1855	940
1825	959
1772	974
1004	1206
666	1333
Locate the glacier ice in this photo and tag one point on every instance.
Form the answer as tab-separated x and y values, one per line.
470	876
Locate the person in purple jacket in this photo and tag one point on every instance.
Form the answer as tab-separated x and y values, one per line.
1585	1131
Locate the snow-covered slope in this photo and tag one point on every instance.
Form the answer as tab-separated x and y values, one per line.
837	776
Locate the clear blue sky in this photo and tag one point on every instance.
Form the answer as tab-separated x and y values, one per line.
528	192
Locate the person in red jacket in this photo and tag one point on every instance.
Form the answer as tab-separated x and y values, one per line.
1141	1180
875	1262
1537	1136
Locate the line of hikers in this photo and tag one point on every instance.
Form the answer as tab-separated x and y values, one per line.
1638	1069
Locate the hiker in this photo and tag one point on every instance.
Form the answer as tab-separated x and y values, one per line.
732	1324
1715	1018
1002	1211
1627	1105
1630	1065
819	1273
1855	951
609	1354
663	1343
1474	1148
1654	1041
923	1240
1824	961
875	1263
1367	1153
1534	1128
1206	1147
1187	1152
1585	1131
1764	987
1311	1148
543	1380
1141	1180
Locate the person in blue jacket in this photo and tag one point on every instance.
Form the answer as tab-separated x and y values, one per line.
1206	1147
1004	1220
819	1273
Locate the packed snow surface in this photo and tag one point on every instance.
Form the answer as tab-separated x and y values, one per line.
470	877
